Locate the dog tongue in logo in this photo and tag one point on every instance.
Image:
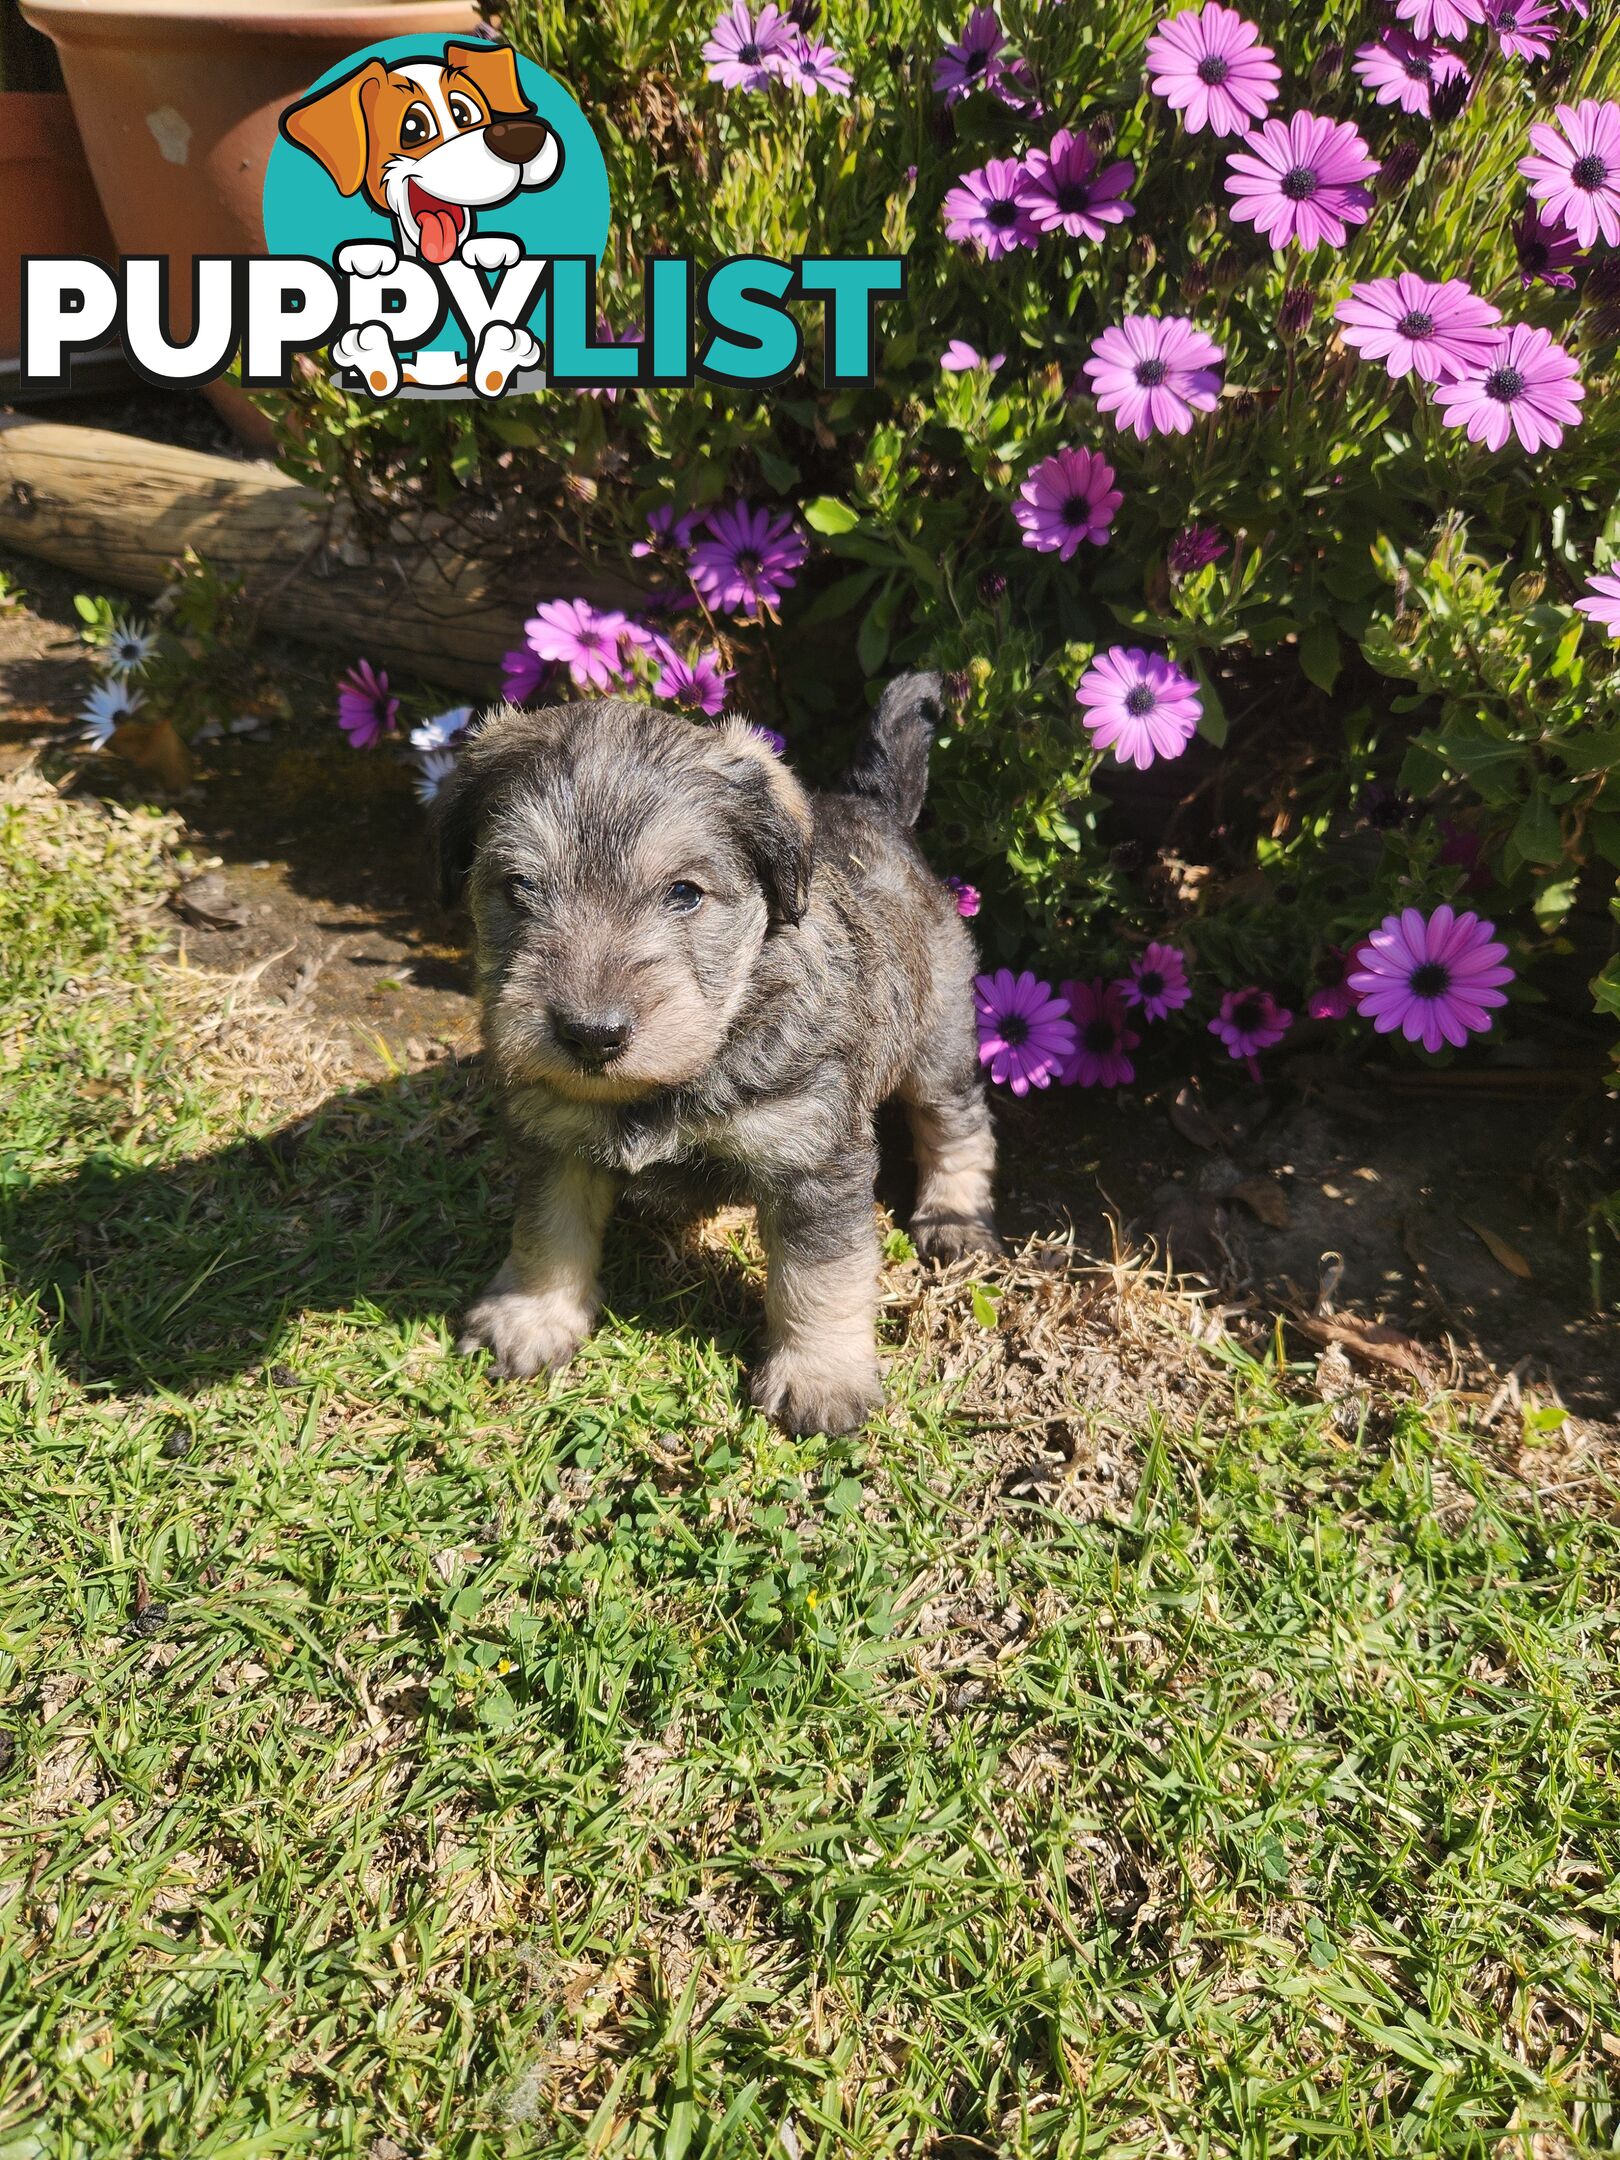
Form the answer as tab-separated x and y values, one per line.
438	223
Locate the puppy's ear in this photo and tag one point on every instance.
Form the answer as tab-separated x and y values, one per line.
505	740
492	70
458	819
333	125
773	819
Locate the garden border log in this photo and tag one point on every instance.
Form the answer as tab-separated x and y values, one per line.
121	510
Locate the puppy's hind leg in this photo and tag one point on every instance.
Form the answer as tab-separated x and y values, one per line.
820	1372
544	1301
955	1145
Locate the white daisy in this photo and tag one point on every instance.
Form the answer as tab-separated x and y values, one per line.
106	709
440	732
130	644
437	766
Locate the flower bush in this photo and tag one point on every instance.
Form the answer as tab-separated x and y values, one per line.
1245	450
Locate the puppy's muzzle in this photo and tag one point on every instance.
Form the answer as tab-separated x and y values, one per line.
515	142
595	1039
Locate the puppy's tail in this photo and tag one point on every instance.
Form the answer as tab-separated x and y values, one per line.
890	765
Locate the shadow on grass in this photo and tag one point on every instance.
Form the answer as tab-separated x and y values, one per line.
386	1202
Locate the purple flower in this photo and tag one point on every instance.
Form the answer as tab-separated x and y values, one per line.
1333	999
960	358
1545	252
1025	1033
1523	29
1210	66
1139	704
1402	70
1249	1021
585	640
669	534
1602	602
1438	331
1099	1057
1441	18
1300	180
983	207
1529	387
968	900
1062	189
1157	983
1431	978
1193	548
746	52
813	66
974	61
366	709
1152	373
523	674
1067	498
1576	179
698	684
607	335
770	737
748	560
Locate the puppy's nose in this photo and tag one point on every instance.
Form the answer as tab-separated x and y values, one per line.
515	142
594	1038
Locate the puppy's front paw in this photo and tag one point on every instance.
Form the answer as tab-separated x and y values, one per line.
490	251
806	1397
369	350
502	351
523	1334
367	259
953	1237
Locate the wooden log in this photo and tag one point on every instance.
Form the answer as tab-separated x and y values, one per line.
121	510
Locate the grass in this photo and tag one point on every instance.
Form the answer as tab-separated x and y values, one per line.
399	1764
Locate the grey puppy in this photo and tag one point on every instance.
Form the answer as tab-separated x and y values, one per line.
699	981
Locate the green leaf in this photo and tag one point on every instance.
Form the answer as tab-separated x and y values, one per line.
986	1304
839	598
826	514
1212	724
1606	990
1553	901
1538	835
846	1496
872	640
1319	653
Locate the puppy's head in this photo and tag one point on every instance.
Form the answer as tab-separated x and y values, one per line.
625	868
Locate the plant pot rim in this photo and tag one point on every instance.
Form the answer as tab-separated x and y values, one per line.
258	18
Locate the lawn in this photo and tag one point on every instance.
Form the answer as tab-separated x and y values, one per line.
398	1763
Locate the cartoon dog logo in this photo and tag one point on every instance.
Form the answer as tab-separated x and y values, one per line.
430	143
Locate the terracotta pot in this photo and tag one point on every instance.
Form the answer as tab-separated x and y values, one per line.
50	198
177	102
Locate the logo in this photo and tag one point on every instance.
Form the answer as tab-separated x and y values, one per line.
435	215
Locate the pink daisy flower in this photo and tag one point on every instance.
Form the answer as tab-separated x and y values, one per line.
747	52
1433	978
1139	705
1523	29
586	640
813	66
961	358
1249	1021
1546	252
770	736
1064	191
748	560
968	898
1300	180
983	208
1402	70
669	534
1601	602
1529	387
1152	374
367	709
1065	499
1209	65
974	61
697	685
1333	998
1576	177
1193	549
1157	983
523	674
1099	1058
1441	18
1412	325
1025	1033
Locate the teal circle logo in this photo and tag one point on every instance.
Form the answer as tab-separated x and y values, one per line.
442	151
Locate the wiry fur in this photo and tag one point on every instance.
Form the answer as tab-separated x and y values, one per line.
825	970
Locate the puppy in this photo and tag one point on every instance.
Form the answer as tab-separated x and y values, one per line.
697	978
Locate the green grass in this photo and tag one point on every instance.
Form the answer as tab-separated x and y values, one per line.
402	1764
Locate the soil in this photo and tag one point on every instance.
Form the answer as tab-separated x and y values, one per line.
1445	1205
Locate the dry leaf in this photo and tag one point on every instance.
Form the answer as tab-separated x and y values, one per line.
1193	1121
1499	1249
155	748
1265	1198
1368	1340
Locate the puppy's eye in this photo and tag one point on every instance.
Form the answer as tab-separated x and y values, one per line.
683	896
416	127
520	890
464	112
